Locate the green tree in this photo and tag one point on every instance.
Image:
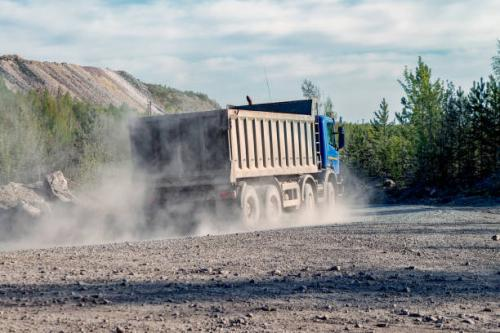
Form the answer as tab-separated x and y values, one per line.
21	143
380	139
493	102
42	132
422	112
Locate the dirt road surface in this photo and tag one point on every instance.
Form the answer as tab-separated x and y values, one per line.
389	269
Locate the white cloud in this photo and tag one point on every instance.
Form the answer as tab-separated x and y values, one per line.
354	50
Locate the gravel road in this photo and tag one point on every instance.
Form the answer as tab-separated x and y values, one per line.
387	269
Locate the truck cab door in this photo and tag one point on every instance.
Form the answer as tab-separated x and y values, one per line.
329	152
333	154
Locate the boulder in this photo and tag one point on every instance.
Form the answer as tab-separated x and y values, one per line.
56	187
24	203
18	198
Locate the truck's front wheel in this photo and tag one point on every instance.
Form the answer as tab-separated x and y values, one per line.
330	195
250	206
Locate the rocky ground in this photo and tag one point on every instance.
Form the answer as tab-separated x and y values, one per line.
389	268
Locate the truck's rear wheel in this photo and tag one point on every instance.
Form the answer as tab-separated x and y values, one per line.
309	203
330	195
273	208
250	206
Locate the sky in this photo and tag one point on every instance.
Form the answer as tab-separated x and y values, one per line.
354	50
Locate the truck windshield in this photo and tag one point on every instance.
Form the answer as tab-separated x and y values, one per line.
331	135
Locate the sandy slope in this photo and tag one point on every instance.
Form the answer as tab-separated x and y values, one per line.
100	86
391	269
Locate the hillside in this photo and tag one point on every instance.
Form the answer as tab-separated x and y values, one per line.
97	85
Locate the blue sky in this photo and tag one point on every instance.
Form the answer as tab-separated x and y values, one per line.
354	50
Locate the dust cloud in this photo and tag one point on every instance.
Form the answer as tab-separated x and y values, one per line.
111	209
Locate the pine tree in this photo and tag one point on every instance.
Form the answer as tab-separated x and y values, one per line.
451	137
493	106
380	139
482	125
495	62
422	112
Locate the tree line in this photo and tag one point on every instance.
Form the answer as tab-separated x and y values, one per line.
42	132
442	138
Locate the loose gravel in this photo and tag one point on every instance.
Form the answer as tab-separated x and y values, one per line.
388	269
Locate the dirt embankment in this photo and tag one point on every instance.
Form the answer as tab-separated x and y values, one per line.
91	84
387	269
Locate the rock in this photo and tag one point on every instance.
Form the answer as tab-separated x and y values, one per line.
382	324
430	319
267	308
468	321
321	317
18	198
495	237
276	272
404	312
335	268
389	184
56	187
119	329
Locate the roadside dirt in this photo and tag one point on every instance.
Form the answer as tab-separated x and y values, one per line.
390	269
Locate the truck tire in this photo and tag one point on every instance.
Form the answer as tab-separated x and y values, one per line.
309	204
330	195
250	206
273	208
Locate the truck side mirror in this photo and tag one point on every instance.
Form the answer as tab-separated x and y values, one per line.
341	137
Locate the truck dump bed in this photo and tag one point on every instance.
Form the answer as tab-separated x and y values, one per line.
223	146
271	144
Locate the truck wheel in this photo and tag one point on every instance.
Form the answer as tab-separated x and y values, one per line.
250	206
273	208
330	194
309	200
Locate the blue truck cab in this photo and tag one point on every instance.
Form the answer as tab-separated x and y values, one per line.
329	148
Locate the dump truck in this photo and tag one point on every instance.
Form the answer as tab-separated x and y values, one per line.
259	160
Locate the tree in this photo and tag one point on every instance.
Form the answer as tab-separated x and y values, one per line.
328	108
455	154
422	112
381	120
496	62
310	90
379	139
493	102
